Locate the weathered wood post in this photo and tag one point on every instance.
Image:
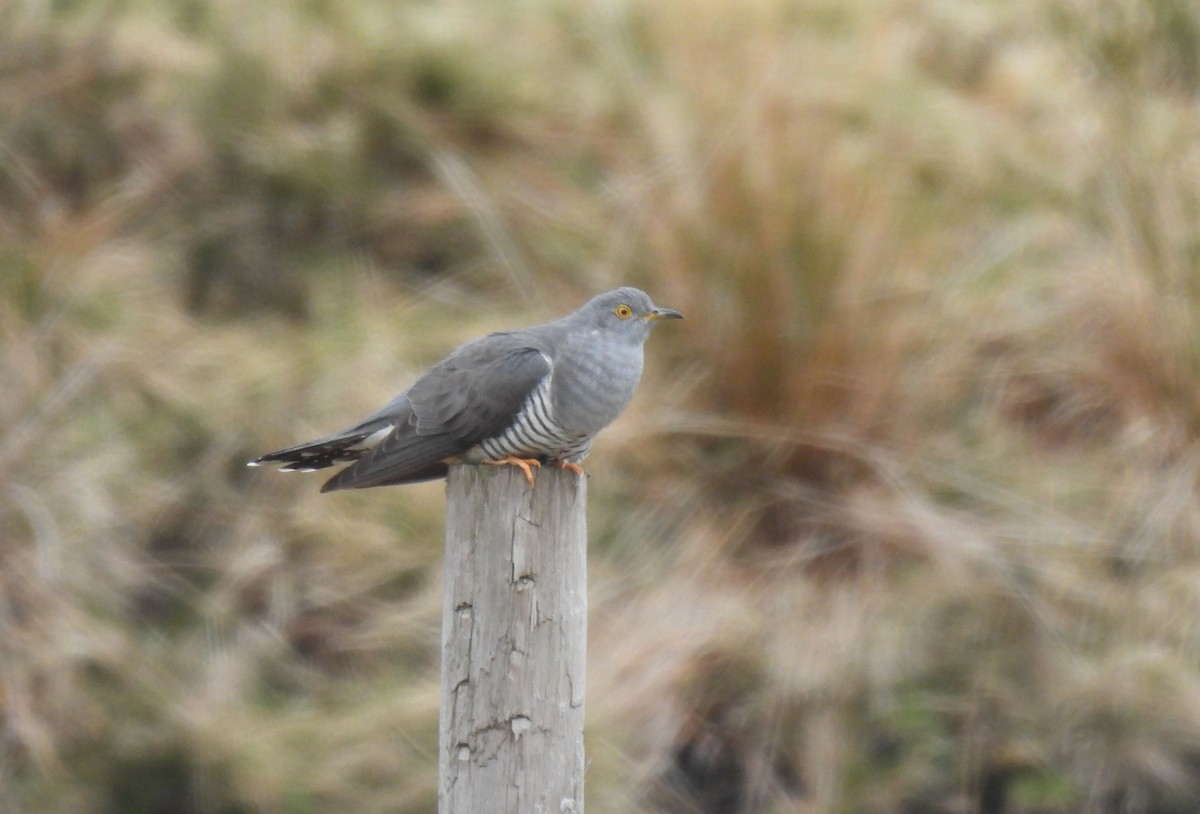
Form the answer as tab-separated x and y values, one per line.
514	642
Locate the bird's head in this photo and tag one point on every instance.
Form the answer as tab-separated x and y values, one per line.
624	311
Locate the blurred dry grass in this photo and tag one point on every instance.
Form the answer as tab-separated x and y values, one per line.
905	519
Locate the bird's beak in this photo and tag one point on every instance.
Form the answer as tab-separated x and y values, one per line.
664	313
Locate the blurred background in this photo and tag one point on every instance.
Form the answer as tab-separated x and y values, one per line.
904	518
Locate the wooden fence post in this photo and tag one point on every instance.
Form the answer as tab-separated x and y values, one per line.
514	642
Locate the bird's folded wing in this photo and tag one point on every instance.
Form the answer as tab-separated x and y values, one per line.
478	391
475	393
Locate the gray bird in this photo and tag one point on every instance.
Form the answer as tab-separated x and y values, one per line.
525	397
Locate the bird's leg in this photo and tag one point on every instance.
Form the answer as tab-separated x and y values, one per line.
527	465
576	468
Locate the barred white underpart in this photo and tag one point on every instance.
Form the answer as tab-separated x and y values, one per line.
536	434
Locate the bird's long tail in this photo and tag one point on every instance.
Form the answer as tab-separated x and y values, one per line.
325	452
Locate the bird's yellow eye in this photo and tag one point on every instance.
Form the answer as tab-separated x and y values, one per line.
623	311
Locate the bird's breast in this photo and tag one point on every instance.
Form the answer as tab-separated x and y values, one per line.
592	383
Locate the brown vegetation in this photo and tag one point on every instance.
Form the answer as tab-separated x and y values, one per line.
905	518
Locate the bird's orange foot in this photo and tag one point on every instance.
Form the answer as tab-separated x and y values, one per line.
576	468
527	465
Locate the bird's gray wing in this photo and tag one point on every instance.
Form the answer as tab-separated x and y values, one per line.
477	392
473	394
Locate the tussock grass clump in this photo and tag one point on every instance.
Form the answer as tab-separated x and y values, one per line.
947	351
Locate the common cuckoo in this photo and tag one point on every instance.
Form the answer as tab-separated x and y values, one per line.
525	397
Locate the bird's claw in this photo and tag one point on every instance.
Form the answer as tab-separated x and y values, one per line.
527	465
572	467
